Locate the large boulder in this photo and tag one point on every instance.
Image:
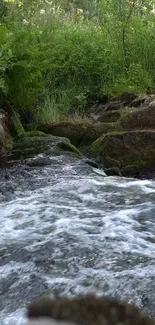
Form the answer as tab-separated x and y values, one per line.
109	117
95	130
30	144
141	100
79	133
86	310
139	119
132	152
74	131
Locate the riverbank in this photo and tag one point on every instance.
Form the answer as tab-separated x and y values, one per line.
118	135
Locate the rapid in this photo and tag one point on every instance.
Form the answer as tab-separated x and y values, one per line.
67	229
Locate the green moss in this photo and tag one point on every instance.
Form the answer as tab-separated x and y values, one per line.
101	144
70	148
111	162
138	119
8	144
74	131
31	134
96	130
26	142
109	116
29	146
122	149
16	123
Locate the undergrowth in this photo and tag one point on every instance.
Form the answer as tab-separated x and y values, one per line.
55	60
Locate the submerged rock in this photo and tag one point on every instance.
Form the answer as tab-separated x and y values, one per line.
39	161
114	171
124	149
46	321
88	310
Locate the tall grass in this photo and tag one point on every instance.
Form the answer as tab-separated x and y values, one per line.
53	62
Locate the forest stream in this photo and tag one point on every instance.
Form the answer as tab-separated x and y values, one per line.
66	229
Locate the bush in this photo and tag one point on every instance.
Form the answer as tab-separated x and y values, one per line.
54	60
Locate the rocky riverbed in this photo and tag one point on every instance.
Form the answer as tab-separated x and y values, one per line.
67	229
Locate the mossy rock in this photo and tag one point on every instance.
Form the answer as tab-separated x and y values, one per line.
112	105
31	134
95	130
6	144
128	98
114	171
6	140
51	145
2	135
74	131
136	148
109	117
69	147
138	101
131	170
138	119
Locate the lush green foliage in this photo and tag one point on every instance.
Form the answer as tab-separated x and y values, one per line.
56	57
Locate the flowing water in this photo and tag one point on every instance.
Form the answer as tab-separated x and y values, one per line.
66	230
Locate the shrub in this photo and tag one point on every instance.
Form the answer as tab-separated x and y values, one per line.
53	60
